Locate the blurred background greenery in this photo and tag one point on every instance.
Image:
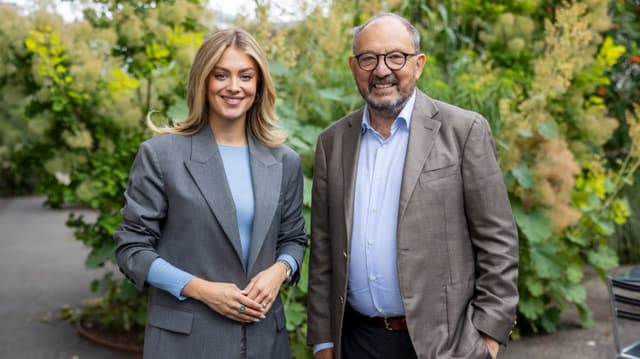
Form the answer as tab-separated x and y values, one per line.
559	82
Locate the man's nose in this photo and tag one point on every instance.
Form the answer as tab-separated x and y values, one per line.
381	69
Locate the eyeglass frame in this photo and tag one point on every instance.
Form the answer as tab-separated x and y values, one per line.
384	56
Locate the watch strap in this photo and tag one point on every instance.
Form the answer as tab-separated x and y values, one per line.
289	269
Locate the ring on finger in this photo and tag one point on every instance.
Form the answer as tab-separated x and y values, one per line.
263	305
242	308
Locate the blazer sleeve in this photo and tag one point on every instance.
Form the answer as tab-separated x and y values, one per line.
320	269
292	238
142	215
493	233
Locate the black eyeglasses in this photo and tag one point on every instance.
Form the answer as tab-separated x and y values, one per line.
394	60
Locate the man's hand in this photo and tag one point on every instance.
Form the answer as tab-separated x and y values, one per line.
324	354
492	345
264	287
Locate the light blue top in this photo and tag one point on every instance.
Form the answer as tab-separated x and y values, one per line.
237	166
373	288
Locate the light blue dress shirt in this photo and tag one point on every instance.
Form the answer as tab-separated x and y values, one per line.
373	288
237	166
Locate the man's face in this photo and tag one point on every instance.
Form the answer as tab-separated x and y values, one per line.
386	90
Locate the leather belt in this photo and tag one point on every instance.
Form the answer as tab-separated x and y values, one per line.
392	324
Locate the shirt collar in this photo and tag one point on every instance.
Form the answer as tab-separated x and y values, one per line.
403	117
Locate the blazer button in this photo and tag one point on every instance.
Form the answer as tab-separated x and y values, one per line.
344	254
340	299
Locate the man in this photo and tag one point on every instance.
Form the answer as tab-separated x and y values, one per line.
414	250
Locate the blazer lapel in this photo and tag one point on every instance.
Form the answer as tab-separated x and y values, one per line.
207	169
421	140
266	174
350	146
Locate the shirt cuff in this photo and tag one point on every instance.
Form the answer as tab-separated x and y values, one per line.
165	276
289	259
321	346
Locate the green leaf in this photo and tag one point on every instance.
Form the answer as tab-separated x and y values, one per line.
575	293
581	241
297	144
531	308
548	129
605	227
278	69
535	224
546	261
295	313
521	173
525	133
31	44
574	273
99	255
304	276
308	186
534	286
586	316
604	258
127	291
178	111
550	319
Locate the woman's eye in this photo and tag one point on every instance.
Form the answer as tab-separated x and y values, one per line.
246	77
220	76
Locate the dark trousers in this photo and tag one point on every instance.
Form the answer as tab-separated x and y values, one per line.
361	339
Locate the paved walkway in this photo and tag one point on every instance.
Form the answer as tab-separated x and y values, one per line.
42	269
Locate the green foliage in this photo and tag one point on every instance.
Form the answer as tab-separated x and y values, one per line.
90	103
16	82
625	241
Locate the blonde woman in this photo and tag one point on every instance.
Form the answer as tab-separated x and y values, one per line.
213	215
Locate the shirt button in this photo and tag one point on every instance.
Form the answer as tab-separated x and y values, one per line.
372	277
370	243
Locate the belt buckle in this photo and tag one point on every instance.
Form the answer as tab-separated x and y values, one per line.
387	325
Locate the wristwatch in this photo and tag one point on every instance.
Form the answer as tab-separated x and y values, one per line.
289	270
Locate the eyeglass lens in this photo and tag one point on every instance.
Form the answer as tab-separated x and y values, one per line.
394	60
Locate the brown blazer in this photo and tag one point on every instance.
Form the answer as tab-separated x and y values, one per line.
457	244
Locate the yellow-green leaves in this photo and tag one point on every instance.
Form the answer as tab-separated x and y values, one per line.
122	82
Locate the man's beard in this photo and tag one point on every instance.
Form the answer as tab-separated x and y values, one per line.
390	109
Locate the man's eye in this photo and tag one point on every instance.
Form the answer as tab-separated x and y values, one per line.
395	57
367	59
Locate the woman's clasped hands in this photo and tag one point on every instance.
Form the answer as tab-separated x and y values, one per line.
244	305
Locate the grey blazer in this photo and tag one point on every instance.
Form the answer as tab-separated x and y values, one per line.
457	244
179	206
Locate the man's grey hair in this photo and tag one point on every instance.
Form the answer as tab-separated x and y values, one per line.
415	35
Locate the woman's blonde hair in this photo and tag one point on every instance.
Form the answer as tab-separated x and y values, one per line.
261	117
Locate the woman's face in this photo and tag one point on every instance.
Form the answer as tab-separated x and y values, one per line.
232	86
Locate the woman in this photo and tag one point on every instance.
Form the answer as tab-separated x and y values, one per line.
213	215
